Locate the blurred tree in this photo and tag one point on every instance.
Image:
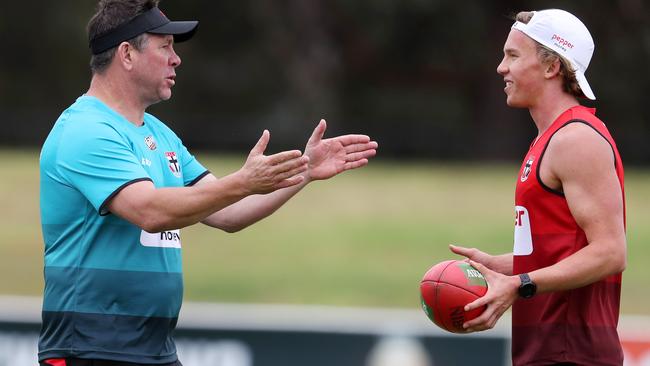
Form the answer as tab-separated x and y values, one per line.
418	75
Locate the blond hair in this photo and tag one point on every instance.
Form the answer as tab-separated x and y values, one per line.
547	56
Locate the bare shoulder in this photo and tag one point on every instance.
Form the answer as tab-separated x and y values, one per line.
580	142
577	151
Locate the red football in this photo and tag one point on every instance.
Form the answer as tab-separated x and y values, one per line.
445	290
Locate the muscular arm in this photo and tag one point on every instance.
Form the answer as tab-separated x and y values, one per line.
581	163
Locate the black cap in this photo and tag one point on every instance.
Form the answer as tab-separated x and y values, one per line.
151	21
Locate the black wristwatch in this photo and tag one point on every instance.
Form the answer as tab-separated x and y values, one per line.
528	288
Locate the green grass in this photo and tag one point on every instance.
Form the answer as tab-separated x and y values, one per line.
361	239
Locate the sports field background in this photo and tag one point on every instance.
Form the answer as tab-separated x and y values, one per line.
361	239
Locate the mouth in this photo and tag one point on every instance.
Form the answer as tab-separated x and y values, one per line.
508	84
171	79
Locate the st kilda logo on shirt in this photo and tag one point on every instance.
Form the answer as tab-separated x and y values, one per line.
173	163
527	168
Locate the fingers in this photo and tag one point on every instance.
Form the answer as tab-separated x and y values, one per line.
501	294
290	169
361	147
486	321
481	268
288	173
357	155
292	181
481	301
346	140
261	144
318	133
360	155
465	252
283	156
264	174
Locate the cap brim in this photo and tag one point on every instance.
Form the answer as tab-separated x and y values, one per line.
182	31
584	86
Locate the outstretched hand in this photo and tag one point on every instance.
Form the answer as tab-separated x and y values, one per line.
329	157
264	174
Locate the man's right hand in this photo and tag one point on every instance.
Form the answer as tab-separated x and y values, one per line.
264	174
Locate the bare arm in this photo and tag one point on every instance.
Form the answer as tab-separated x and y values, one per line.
580	162
327	158
156	209
251	209
594	196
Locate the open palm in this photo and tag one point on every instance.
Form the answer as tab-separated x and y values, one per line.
329	157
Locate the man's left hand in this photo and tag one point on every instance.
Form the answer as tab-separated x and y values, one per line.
501	294
329	157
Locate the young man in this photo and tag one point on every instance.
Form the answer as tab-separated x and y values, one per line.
117	185
563	278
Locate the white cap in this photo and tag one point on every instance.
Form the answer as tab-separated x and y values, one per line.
565	34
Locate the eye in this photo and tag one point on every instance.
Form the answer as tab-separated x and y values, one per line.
512	55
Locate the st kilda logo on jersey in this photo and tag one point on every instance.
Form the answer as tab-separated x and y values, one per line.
173	164
527	168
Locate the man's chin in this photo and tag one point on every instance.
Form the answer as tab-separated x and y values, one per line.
513	103
166	95
161	98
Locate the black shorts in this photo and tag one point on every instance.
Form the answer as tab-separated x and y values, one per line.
87	362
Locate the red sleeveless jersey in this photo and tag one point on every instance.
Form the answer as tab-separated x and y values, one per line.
578	325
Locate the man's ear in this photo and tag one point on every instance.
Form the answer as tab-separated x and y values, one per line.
553	69
125	54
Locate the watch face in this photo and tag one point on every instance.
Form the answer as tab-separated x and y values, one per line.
527	288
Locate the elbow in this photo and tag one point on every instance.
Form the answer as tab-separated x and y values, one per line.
151	224
618	261
621	263
226	223
233	228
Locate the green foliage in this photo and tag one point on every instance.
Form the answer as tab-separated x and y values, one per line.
362	239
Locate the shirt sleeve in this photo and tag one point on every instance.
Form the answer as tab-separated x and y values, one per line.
99	162
193	171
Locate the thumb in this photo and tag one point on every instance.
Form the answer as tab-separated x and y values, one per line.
460	250
318	133
262	143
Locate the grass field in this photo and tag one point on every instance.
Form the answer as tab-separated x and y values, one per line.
361	239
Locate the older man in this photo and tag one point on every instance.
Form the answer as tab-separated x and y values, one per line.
117	185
